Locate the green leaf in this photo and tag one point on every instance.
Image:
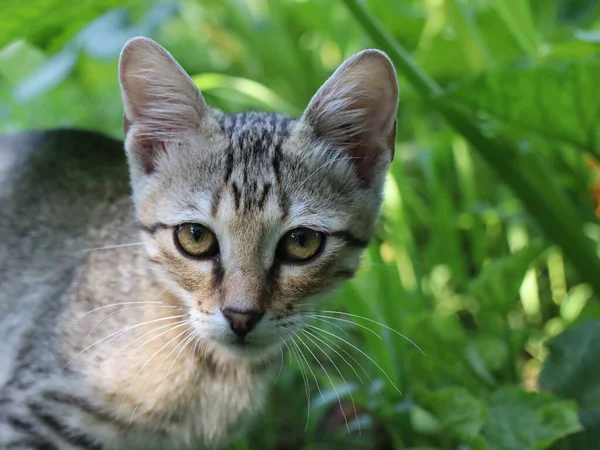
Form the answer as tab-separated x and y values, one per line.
517	16
459	414
497	286
572	371
528	420
44	22
557	100
18	59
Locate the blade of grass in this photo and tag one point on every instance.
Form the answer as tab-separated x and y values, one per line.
555	216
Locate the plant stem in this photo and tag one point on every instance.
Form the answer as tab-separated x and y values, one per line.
424	84
555	216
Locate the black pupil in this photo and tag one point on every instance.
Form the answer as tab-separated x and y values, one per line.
300	237
197	232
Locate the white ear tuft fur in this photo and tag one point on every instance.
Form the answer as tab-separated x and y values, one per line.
161	101
356	109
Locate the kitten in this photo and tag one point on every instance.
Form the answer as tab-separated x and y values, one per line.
243	219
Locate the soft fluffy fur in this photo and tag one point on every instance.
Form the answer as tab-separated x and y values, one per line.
128	346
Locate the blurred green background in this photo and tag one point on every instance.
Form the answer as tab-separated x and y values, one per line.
486	256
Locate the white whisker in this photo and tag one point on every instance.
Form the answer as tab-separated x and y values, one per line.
361	352
170	327
111	247
143	366
119	304
343	350
279	373
120	332
336	352
308	366
306	384
375	322
329	377
122	310
327	319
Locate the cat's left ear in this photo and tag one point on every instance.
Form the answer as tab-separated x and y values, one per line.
355	111
161	102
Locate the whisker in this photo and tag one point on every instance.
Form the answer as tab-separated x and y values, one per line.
306	384
309	368
143	366
336	352
119	304
170	327
361	352
329	378
193	336
184	343
375	322
343	350
280	369
122	310
327	318
111	247
120	332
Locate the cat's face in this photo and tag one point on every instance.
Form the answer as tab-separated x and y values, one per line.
250	218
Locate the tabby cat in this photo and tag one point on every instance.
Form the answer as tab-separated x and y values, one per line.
143	309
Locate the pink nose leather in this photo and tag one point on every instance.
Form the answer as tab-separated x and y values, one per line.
242	322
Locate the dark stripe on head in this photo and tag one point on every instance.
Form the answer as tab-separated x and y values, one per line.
216	201
236	196
263	197
151	229
350	239
276	162
228	164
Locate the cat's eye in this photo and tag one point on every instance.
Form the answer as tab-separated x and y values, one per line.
300	244
196	240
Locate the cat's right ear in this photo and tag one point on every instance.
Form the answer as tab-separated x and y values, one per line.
161	102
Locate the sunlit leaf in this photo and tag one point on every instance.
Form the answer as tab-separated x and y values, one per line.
497	286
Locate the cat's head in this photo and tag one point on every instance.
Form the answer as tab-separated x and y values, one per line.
249	217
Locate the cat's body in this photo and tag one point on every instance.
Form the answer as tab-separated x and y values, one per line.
242	218
62	194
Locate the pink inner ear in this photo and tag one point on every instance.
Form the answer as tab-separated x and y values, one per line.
368	152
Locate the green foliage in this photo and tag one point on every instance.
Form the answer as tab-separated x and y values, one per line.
497	286
528	420
459	414
488	245
558	100
571	371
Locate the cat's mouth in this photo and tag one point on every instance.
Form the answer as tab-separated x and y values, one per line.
247	347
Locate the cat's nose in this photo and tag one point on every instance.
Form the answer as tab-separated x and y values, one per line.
242	322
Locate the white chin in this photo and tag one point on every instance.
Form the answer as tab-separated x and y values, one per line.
248	349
